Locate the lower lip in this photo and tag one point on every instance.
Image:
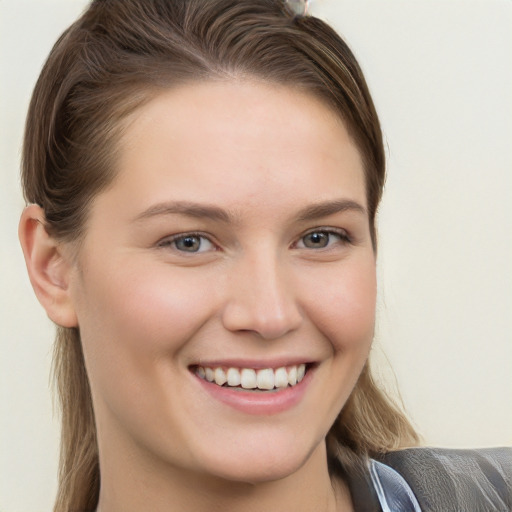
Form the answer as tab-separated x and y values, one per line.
259	402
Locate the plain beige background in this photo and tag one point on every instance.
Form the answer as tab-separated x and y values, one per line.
441	76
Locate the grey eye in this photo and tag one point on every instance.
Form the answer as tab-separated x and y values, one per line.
323	238
190	243
316	240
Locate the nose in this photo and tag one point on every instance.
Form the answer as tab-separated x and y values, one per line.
261	298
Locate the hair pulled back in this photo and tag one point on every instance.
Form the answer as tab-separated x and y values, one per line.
115	58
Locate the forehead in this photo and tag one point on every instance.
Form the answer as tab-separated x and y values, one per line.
237	142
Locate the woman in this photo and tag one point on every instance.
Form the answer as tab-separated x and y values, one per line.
203	178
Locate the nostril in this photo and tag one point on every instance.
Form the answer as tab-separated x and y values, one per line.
267	324
260	299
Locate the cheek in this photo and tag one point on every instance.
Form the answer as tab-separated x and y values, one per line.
150	304
344	308
131	316
343	311
135	322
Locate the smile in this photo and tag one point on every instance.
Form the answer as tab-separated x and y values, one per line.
265	379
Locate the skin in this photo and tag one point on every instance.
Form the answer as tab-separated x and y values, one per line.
148	310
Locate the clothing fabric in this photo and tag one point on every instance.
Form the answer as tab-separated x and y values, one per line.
379	488
436	480
444	479
393	492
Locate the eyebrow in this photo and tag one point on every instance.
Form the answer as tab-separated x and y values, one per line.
190	209
201	211
326	208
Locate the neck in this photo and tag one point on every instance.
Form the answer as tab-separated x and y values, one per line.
127	487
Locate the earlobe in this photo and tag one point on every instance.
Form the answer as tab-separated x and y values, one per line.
48	268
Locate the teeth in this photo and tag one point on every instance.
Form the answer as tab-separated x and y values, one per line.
292	376
265	379
281	378
234	378
220	376
301	371
247	378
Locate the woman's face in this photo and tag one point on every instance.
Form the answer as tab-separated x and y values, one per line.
233	244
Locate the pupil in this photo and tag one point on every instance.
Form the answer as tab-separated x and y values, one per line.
316	239
190	242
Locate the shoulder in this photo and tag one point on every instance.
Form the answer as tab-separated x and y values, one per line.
444	479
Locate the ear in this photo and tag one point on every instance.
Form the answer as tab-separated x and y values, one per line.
48	268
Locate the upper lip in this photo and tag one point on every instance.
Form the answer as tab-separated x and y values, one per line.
254	363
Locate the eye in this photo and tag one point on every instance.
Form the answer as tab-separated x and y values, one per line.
322	238
191	243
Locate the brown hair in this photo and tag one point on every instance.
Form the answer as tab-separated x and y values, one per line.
111	61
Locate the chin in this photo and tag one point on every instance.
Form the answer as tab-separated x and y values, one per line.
262	471
255	464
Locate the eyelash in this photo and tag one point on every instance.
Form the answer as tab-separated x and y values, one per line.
343	237
329	231
172	240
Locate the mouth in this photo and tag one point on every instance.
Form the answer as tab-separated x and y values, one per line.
253	379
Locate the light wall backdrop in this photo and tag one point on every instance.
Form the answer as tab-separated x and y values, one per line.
441	76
